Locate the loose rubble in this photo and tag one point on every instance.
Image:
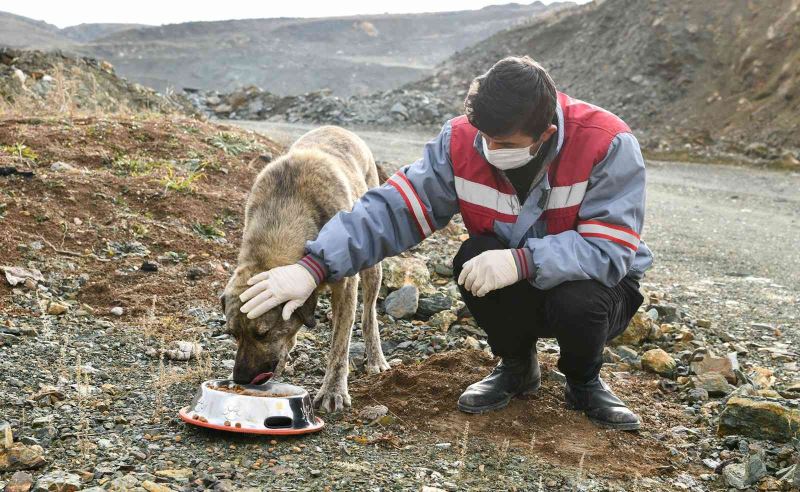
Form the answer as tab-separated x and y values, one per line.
406	107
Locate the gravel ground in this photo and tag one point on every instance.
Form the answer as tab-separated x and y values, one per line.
91	391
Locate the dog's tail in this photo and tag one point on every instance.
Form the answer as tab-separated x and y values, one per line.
383	174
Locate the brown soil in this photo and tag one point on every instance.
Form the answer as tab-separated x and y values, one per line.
76	215
423	398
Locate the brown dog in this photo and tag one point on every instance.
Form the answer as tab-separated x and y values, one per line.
324	172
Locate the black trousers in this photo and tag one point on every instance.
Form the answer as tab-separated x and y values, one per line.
582	315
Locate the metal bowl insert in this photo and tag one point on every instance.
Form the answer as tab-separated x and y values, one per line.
272	408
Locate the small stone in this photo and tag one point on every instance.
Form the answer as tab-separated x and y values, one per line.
443	320
58	481
373	412
179	474
472	343
659	362
734	476
637	332
197	272
20	482
430	305
443	269
399	271
155	487
703	323
148	266
403	302
183	351
755	468
57	309
696	395
627	354
315	472
62	167
714	383
760	418
19	456
428	488
726	366
6	435
762	377
117	311
124	483
667	313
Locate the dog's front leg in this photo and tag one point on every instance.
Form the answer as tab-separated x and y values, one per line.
333	395
370	285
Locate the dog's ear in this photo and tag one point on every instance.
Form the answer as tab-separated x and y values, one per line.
306	311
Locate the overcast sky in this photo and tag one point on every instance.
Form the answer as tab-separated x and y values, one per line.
65	13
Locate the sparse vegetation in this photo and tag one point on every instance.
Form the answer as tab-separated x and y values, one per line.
20	151
184	184
207	231
233	144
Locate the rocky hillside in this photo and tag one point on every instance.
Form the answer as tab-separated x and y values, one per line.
715	72
18	31
356	54
45	83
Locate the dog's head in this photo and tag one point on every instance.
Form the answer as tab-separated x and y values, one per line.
263	344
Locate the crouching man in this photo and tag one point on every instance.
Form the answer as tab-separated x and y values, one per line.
552	192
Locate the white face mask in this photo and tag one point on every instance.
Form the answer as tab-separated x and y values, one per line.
505	159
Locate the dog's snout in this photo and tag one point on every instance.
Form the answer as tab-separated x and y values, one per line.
245	373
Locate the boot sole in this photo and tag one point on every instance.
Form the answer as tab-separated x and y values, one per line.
500	404
623	426
627	426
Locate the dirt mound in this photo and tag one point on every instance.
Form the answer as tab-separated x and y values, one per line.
423	396
36	82
696	73
111	194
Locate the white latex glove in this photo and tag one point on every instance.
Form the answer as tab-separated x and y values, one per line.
291	284
490	270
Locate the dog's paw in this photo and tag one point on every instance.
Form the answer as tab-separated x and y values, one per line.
332	400
379	365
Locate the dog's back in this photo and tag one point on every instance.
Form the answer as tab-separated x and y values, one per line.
325	171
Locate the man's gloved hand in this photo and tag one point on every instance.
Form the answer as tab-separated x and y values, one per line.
491	270
291	284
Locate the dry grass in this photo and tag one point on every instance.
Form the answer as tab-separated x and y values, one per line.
61	100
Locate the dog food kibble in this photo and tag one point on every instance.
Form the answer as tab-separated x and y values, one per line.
226	424
238	425
238	390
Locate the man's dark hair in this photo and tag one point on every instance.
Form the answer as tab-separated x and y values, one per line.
516	94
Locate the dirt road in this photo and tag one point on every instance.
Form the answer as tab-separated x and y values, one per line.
725	238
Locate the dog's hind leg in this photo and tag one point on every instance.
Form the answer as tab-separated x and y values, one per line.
370	285
333	395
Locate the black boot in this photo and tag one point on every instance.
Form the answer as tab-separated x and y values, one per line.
512	376
600	405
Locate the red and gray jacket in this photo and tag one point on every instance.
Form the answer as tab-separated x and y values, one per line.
581	220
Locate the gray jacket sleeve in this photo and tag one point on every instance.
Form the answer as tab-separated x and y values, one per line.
417	200
609	223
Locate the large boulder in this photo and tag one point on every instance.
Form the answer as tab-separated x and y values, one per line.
759	417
